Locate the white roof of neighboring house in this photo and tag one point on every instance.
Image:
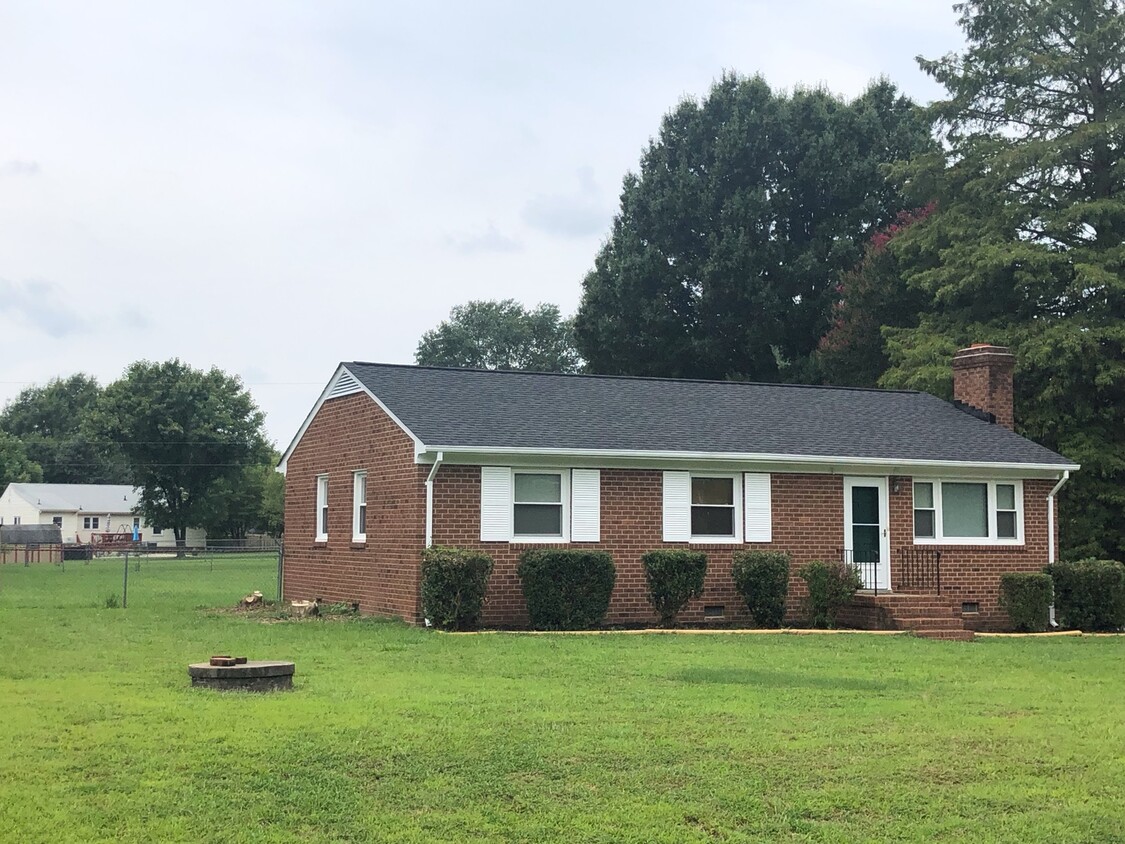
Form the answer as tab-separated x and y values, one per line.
91	498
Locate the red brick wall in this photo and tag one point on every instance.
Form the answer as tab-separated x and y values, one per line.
808	523
972	572
348	434
808	519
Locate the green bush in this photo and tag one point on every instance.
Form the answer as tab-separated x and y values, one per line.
1089	594
566	589
453	584
1026	597
762	579
674	576
831	587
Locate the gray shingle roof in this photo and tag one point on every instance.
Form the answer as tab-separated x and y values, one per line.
485	409
30	535
93	498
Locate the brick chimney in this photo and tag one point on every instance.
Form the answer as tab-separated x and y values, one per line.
982	378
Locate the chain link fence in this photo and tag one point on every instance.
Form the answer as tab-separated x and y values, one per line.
217	574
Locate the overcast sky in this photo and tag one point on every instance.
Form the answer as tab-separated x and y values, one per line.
274	187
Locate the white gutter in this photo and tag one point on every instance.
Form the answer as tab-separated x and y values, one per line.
748	457
1051	516
430	499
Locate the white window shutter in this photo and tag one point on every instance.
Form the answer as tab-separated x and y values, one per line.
495	504
677	506
758	507
586	505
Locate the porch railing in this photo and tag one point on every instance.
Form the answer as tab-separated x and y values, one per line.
919	568
868	570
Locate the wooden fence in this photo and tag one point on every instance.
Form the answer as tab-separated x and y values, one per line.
28	554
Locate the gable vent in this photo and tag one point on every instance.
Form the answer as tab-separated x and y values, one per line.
345	385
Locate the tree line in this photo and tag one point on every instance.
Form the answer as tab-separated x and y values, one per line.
806	238
191	441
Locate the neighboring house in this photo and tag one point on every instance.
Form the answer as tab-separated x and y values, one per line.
85	513
905	486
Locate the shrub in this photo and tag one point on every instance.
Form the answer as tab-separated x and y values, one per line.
453	584
566	589
1089	594
831	586
762	579
1026	597
674	578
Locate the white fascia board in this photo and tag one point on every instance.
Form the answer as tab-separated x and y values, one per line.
341	369
608	458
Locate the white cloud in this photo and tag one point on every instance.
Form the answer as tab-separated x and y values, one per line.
276	187
15	167
491	239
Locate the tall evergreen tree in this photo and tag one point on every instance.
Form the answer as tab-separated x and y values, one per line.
1028	247
725	255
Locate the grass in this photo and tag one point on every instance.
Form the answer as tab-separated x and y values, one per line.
399	734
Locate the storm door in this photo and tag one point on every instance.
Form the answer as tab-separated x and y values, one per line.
867	543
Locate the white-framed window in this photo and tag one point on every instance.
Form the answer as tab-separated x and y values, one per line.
91	522
713	507
968	512
16	520
539	505
157	531
56	521
925	516
321	508
359	506
136	522
715	510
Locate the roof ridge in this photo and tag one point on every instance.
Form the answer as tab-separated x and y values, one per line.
658	379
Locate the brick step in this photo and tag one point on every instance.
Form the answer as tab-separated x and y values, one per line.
923	612
929	624
896	598
894	605
947	635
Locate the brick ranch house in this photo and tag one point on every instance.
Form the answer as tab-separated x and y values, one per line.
918	493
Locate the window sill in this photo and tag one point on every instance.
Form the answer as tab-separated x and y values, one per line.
538	540
358	544
715	540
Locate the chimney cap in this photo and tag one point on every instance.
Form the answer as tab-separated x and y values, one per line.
983	349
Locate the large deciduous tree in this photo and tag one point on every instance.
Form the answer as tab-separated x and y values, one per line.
15	465
501	335
187	437
51	422
725	254
1028	245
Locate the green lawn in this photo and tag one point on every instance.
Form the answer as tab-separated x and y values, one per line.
400	734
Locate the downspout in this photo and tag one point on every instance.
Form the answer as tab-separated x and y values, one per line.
1051	516
430	499
1051	535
